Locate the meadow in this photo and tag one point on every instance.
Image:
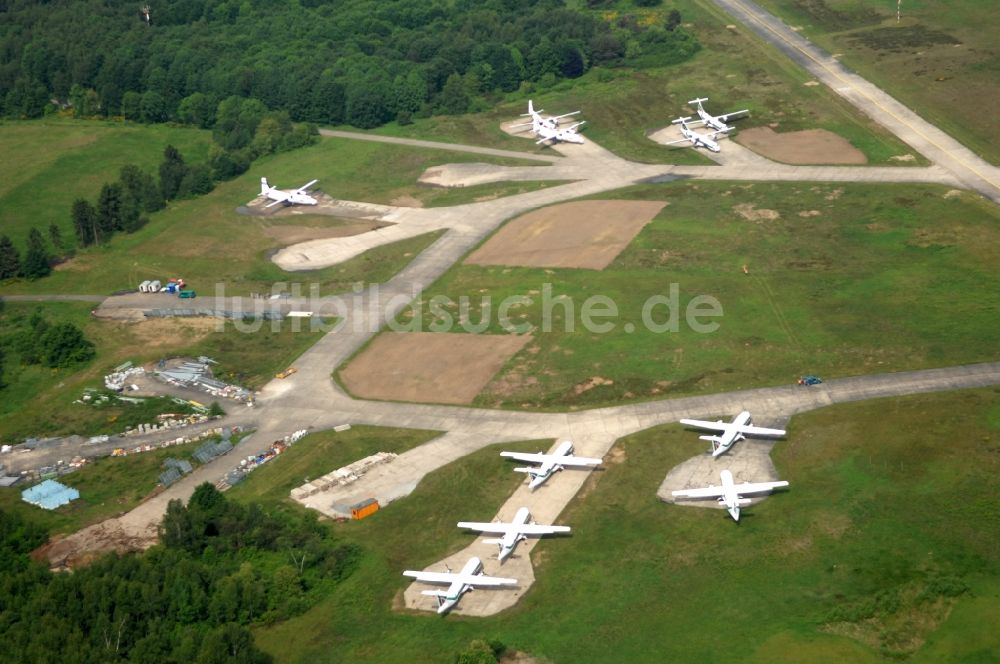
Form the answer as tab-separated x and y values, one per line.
940	59
885	545
839	281
621	106
38	401
195	238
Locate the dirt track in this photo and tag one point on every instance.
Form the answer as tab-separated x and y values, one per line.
810	146
429	367
587	234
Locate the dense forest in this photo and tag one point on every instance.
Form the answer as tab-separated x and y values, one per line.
358	62
219	568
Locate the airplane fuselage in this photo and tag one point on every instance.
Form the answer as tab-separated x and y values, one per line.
455	591
510	540
731	435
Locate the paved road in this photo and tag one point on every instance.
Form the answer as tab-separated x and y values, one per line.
53	298
871	100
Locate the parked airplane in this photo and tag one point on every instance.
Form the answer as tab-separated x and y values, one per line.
458	584
730	432
538	121
293	197
512	532
550	463
729	494
717	122
567	135
696	139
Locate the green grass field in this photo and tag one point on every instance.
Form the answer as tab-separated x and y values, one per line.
885	545
194	238
47	164
940	59
621	106
39	401
844	280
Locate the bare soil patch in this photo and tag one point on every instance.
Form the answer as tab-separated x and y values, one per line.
810	146
163	332
429	367
750	213
581	234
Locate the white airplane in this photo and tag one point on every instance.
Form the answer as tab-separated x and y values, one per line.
458	584
729	494
550	463
717	122
293	197
537	121
567	135
512	532
696	139
730	432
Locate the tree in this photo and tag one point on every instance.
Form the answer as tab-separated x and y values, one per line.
453	98
10	259
673	20
110	211
141	186
227	164
55	236
215	410
84	222
197	109
153	107
197	181
84	101
172	171
131	105
36	259
64	345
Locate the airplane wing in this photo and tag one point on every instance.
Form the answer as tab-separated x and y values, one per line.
758	487
280	200
504	528
488	527
307	185
703	424
761	431
532	529
683	140
433	577
726	117
707	492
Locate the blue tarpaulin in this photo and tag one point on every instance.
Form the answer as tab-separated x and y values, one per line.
49	495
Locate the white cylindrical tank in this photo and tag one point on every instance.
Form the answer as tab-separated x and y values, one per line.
144	287
154	286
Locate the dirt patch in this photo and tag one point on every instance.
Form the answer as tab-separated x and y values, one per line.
582	234
902	157
160	332
810	146
809	213
588	385
429	367
953	193
288	235
407	201
750	213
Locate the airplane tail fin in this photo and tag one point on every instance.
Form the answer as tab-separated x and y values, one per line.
716	444
531	110
493	540
264	186
434	593
680	120
698	101
743	501
524	470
